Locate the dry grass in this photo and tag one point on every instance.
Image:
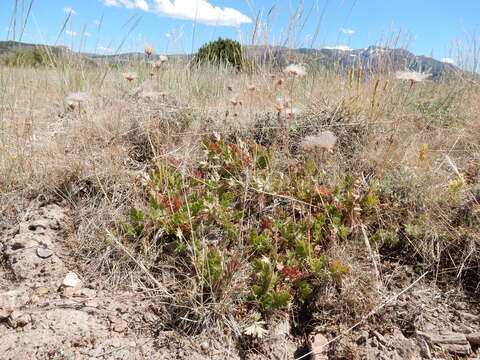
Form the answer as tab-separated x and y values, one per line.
96	156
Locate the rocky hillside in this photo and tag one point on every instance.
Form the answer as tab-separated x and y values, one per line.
372	59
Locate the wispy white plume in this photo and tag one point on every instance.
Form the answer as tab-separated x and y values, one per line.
71	33
447	60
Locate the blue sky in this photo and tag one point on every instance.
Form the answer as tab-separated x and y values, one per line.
425	27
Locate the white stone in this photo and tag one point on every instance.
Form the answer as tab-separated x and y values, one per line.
71	280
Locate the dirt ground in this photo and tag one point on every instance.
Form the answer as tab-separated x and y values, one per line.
43	315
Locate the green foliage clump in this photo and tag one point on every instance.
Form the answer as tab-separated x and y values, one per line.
222	52
236	212
33	58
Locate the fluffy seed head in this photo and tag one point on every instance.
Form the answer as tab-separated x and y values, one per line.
412	76
291	111
283	102
75	98
295	70
130	76
325	141
162	59
148	48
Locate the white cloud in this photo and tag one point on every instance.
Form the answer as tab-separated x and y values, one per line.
110	3
96	22
348	31
103	48
86	33
198	10
71	33
338	47
129	4
447	60
70	11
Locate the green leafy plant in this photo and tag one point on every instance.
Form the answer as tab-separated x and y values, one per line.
221	52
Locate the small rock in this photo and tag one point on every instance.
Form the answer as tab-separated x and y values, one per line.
88	293
205	345
18	319
319	347
4	314
119	325
463	329
470	317
150	317
380	338
91	303
362	339
44	253
42	290
68	291
453	343
474	339
34	299
71	280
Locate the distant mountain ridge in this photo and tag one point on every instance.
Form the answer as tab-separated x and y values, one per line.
373	59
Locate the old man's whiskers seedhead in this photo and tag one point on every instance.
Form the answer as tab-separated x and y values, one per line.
295	70
76	98
151	95
324	141
283	103
130	76
156	65
251	88
148	48
290	111
412	76
162	59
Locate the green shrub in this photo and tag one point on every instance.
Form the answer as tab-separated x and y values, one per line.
221	52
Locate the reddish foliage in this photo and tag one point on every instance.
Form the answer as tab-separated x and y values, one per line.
214	148
235	148
290	272
232	266
267	223
325	191
171	204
